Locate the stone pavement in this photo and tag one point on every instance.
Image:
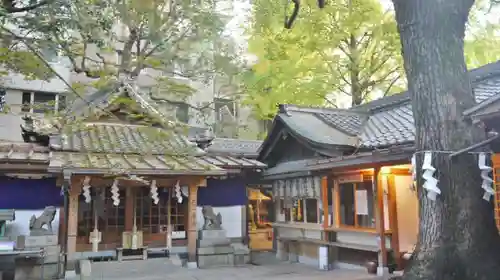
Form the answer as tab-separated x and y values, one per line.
156	269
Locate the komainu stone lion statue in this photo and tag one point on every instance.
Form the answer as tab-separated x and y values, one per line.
212	221
46	218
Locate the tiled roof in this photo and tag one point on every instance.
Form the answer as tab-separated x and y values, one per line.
391	127
233	161
123	139
361	160
11	153
378	124
232	146
132	164
312	125
349	123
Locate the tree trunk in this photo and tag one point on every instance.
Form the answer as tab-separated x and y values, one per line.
458	238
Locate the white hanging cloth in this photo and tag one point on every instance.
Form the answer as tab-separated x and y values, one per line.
86	189
487	181
430	183
154	192
178	193
115	193
413	168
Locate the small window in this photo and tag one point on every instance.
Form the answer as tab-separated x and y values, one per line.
61	103
182	112
223	105
26	102
311	207
356	207
44	102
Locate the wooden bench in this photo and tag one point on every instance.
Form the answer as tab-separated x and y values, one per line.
141	252
360	247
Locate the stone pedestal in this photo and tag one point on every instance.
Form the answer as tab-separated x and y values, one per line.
40	257
214	249
241	254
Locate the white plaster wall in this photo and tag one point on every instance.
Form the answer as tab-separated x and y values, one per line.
20	226
232	219
407	211
18	81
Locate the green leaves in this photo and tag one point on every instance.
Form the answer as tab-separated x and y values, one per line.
348	49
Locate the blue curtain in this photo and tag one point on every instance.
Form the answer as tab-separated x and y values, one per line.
29	194
220	193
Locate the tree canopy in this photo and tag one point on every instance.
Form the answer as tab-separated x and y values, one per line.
105	39
348	50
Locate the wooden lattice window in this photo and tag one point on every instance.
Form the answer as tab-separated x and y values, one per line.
149	217
152	218
111	218
178	214
114	215
496	175
85	216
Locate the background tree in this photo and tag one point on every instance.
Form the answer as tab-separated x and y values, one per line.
107	40
348	48
458	238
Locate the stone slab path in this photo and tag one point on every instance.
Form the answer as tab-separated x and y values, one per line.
156	269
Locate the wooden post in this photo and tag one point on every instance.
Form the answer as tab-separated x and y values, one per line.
169	218
192	235
379	191
393	218
324	199
129	209
73	220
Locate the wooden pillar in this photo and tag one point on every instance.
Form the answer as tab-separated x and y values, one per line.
129	208
74	195
192	235
379	191
324	199
393	218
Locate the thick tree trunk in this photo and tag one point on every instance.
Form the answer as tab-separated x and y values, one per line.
458	238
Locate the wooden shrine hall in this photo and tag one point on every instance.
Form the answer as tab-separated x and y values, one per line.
131	181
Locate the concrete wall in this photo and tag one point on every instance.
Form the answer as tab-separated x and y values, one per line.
20	226
233	220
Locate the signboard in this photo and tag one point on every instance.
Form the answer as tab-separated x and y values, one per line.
361	202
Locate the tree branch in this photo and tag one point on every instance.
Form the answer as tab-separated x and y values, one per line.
9	6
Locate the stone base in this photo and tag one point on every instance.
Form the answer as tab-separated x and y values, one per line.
191	265
24	241
241	254
37	272
211	234
206	261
